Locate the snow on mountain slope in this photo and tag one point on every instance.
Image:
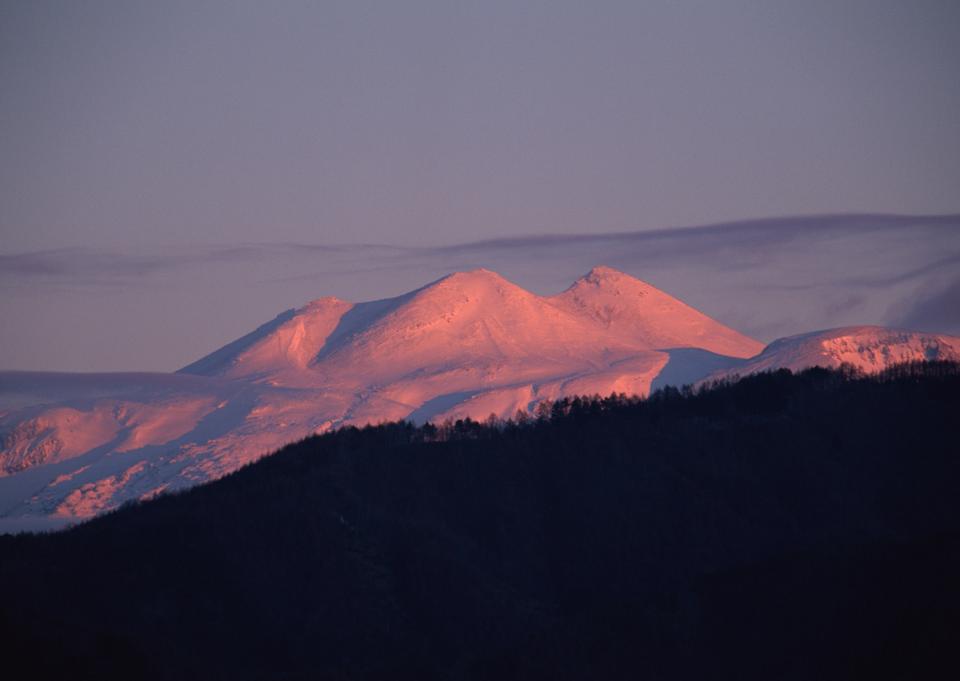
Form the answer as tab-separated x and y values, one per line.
869	348
68	461
48	418
470	344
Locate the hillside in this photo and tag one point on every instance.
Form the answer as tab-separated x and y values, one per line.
785	526
868	348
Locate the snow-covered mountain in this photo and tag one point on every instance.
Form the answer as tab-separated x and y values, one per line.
470	344
868	348
475	317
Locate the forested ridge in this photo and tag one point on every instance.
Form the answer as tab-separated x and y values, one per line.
783	526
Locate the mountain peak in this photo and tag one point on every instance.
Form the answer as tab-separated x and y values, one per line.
603	277
471	283
323	302
602	272
634	309
477	275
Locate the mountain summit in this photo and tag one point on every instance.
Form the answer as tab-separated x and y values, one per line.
634	309
469	344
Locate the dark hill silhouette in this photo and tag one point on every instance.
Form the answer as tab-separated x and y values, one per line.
780	527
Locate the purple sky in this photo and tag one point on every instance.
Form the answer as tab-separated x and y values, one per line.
159	159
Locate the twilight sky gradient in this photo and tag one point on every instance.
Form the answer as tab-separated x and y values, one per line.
163	165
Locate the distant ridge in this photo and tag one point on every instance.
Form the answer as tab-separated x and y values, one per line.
868	348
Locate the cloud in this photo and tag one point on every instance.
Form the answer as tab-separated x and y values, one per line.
745	245
936	308
82	266
79	266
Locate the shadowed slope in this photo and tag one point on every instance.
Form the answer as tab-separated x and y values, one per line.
278	350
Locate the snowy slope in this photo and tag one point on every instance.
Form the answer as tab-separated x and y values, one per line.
470	344
869	348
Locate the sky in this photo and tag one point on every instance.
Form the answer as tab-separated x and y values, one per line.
173	174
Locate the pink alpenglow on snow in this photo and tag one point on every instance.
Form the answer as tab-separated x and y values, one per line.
868	348
470	344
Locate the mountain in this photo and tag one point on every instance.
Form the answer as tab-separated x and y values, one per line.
471	344
868	348
476	319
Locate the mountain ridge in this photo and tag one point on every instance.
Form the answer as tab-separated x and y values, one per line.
486	304
469	344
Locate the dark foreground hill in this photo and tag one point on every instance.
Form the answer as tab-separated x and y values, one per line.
782	527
